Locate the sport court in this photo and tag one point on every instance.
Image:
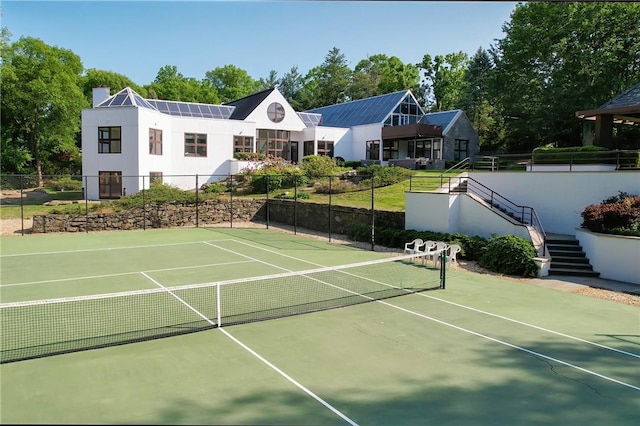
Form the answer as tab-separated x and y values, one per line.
480	351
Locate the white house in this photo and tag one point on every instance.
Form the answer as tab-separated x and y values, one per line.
128	140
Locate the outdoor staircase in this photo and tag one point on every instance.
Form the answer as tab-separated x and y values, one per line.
567	257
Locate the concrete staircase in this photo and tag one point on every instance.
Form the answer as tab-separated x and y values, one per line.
567	257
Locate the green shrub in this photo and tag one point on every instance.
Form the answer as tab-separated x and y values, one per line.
509	255
213	188
66	184
274	173
384	175
157	193
335	186
317	166
291	195
575	154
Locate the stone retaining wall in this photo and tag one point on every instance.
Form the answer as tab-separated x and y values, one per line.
307	215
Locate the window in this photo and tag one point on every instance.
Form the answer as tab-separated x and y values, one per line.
109	140
373	150
408	112
110	184
272	142
325	148
390	150
155	178
420	148
307	149
195	145
243	144
155	142
437	148
461	149
275	112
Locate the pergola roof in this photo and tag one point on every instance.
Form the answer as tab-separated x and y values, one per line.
625	108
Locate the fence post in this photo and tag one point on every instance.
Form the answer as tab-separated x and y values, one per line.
21	208
267	203
86	205
231	200
330	179
197	209
144	207
373	220
295	205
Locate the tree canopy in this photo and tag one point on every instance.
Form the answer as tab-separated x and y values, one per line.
555	58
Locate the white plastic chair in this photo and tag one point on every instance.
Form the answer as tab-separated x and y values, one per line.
411	246
425	249
452	252
436	252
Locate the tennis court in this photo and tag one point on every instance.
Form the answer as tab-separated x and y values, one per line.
238	349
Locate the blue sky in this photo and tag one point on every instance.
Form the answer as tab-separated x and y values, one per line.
137	38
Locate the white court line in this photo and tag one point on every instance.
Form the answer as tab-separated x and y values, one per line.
123	273
520	348
43	253
473	332
530	325
261	358
578	339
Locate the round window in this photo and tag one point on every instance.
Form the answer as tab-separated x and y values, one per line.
275	112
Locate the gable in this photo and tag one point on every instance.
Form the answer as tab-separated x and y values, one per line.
374	110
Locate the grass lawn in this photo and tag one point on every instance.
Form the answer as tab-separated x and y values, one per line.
390	197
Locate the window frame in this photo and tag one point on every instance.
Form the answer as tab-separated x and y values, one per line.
109	144
155	144
198	146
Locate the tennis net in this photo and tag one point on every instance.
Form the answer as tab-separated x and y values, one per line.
34	329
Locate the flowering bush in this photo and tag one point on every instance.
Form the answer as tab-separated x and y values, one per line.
618	215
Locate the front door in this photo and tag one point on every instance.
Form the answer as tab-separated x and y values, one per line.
294	152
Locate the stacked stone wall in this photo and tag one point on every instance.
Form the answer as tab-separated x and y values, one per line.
313	216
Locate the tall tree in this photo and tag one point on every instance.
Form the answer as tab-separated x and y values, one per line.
115	82
41	105
270	82
171	85
334	76
289	85
366	77
380	74
398	76
443	81
232	82
484	111
559	58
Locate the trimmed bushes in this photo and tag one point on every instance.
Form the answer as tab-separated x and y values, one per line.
509	255
619	215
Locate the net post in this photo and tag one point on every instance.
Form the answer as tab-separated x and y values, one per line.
443	269
218	305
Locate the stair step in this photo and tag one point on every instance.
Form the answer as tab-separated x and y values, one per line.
564	249
563	242
570	265
579	258
574	272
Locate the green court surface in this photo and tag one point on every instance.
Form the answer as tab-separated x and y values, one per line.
481	351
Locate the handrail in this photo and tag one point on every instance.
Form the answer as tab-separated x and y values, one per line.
497	202
460	165
621	159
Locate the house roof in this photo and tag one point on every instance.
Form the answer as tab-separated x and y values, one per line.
625	107
238	109
442	118
245	106
362	111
